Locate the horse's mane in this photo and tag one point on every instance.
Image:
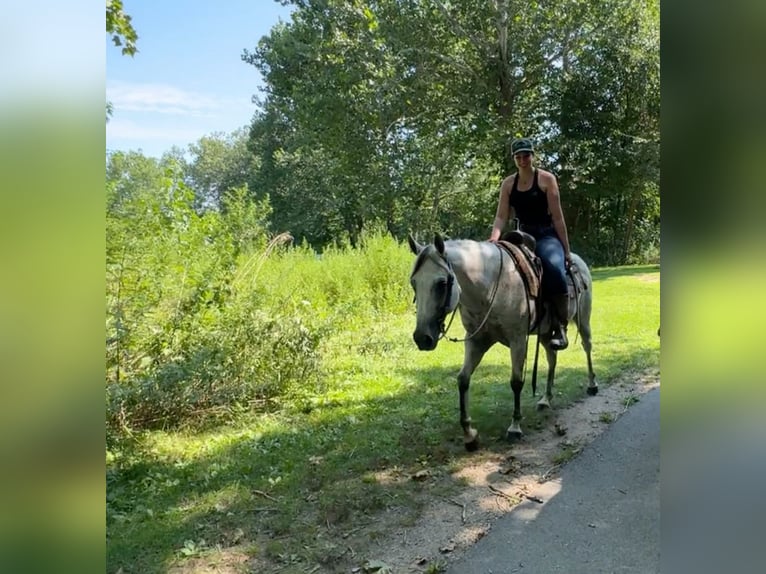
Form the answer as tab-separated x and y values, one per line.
428	250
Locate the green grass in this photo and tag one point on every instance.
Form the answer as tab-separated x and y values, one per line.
568	452
606	418
287	485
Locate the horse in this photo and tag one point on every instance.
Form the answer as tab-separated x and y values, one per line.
495	307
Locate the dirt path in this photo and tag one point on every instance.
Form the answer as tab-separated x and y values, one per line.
498	482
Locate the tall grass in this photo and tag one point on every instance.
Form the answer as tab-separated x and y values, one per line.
201	329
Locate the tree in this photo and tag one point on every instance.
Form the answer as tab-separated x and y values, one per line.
389	112
608	144
219	162
118	24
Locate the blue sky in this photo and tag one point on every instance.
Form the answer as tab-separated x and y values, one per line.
187	79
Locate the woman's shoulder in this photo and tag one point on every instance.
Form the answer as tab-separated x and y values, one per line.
508	182
545	174
546	179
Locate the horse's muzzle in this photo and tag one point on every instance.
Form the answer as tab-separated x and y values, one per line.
424	341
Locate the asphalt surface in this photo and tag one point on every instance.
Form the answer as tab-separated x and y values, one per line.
601	515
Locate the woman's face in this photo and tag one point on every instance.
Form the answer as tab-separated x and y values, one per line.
523	159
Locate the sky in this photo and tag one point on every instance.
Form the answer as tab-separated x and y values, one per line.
187	79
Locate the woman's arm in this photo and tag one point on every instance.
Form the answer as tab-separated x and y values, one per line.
551	188
503	209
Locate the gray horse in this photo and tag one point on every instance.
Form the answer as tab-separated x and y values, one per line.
495	308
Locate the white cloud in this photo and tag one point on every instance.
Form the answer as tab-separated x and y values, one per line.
154	116
165	99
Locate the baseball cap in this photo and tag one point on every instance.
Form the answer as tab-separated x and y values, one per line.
521	145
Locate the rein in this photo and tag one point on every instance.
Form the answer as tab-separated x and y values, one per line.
444	330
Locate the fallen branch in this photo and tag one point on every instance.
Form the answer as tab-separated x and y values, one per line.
350	532
460	504
629	402
548	472
265	495
503	494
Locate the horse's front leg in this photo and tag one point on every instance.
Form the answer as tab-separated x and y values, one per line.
545	400
474	351
518	356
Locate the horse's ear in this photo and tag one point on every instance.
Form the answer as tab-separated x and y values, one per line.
415	247
439	243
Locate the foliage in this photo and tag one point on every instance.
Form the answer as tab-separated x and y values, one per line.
219	162
180	338
118	24
398	114
206	316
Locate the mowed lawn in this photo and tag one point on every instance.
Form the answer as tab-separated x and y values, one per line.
270	484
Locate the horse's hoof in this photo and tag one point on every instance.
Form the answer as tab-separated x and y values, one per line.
472	446
513	435
592	391
543	406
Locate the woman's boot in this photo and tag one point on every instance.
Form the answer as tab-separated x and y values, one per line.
560	313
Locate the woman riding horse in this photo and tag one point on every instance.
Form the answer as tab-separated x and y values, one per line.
533	194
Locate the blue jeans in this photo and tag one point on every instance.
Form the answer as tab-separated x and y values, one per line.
551	254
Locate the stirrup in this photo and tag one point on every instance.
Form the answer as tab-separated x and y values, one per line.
559	340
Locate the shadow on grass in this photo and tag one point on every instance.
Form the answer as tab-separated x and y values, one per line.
292	494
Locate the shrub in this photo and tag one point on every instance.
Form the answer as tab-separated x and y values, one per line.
184	334
206	317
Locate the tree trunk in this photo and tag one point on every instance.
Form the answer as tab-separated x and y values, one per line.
630	223
505	105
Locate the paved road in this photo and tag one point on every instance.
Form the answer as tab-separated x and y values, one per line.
602	515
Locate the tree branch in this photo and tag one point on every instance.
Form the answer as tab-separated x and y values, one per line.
446	59
458	29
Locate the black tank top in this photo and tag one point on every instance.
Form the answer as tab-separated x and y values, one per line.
531	206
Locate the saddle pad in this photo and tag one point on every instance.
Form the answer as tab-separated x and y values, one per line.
528	263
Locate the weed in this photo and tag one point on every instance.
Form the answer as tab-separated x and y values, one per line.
606	417
630	401
436	567
568	453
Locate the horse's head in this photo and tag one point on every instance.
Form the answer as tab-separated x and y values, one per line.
436	291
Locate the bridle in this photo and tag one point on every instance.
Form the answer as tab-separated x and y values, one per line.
443	311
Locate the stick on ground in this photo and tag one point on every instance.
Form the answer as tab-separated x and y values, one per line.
460	504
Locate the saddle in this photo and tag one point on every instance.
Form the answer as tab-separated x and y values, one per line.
521	247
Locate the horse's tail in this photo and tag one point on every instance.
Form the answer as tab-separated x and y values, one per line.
582	283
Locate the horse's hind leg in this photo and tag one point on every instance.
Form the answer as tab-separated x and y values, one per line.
474	351
583	326
518	356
